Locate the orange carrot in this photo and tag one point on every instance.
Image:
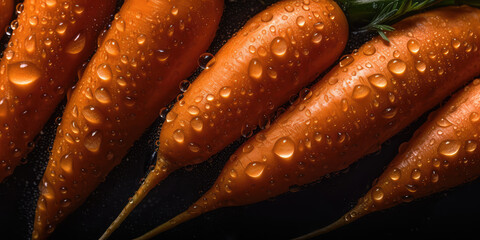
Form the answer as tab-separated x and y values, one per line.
443	154
39	65
369	97
6	11
150	48
276	54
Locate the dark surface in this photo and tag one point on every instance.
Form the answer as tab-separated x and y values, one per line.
449	214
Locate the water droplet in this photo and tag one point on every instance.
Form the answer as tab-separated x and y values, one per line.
141	39
112	48
420	66
66	163
171	116
92	114
435	177
61	28
319	25
193	147
255	169
161	55
23	73
225	92
474	117
193	110
33	21
197	124
411	188
360	92
284	147
395	174
104	72
255	69
93	141
346	60
289	8
103	95
3	107
266	16
377	194
369	49
206	61
413	46
30	43
301	21
449	148
378	80
77	44
178	136
471	146
279	46
317	38
416	174
455	43
389	112
442	122
397	66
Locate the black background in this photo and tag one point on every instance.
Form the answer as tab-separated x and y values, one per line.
450	214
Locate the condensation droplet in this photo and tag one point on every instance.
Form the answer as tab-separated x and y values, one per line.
397	66
395	174
179	136
93	141
284	147
255	169
449	148
360	92
77	44
92	114
279	46
369	49
104	72
378	80
23	73
255	69
197	124
413	46
112	48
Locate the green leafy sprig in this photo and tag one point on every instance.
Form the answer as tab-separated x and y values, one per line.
393	11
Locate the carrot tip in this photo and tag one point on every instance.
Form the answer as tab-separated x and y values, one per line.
337	224
161	171
181	218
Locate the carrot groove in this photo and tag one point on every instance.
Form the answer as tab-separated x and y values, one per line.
150	47
6	11
39	66
369	97
276	54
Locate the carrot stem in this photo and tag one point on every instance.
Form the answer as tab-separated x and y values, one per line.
159	173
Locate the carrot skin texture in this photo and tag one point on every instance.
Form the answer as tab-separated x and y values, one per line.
39	66
442	154
369	97
6	11
277	52
150	47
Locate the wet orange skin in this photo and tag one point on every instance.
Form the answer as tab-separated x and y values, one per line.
150	47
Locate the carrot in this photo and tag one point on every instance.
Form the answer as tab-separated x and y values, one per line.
150	48
444	153
369	97
6	11
38	67
276	54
